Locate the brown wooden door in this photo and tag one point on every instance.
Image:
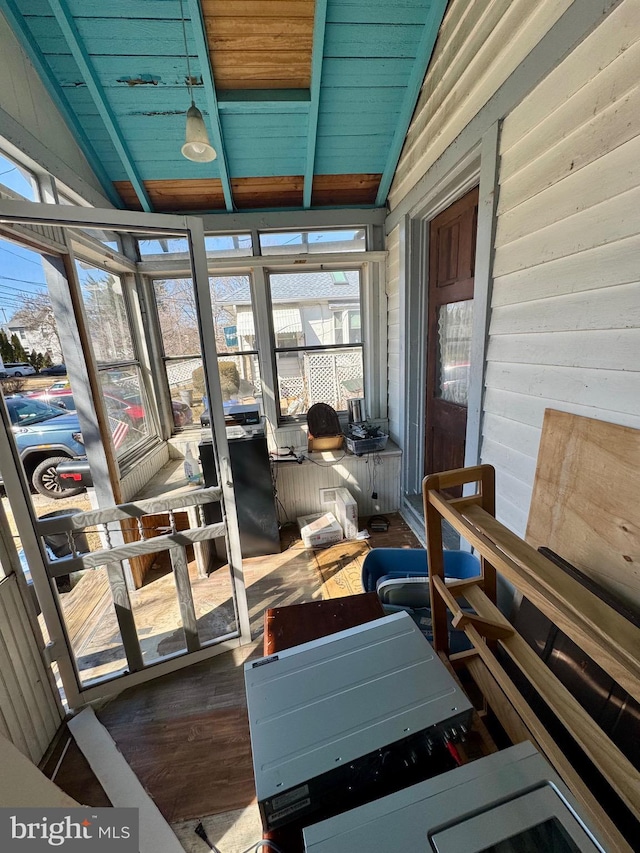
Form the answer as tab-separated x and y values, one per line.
452	248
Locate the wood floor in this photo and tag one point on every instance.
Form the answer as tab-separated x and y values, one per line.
186	735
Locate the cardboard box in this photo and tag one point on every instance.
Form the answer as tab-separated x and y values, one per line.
345	508
319	529
325	442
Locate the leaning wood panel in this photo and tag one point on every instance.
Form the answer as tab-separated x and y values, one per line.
586	499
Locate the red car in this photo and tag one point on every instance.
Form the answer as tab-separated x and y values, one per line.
130	411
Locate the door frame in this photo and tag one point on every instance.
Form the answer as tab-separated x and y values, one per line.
479	167
58	649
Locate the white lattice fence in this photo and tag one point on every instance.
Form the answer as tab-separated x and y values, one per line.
181	372
325	373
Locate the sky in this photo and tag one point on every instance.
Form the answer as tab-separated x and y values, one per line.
21	273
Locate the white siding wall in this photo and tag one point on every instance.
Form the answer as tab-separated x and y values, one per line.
30	713
480	43
565	323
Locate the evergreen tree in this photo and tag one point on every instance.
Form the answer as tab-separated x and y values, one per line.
6	350
19	352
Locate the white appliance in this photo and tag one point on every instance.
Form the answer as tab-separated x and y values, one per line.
349	717
508	802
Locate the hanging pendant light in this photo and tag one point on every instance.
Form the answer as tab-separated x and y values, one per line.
196	145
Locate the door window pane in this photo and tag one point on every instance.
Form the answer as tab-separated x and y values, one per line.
454	351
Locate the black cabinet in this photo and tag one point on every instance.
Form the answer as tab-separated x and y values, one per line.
255	499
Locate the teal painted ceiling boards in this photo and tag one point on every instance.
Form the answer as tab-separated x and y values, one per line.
307	102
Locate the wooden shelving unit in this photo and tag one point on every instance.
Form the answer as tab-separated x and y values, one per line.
606	636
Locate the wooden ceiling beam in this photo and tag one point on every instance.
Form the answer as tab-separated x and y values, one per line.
420	65
317	56
208	82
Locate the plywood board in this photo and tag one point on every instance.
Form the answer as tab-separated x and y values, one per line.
586	499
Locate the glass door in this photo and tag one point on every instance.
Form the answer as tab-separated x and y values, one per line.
136	617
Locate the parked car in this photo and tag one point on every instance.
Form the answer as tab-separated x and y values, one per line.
18	368
45	435
120	409
76	474
54	370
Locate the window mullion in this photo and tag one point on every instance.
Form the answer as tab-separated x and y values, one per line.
266	343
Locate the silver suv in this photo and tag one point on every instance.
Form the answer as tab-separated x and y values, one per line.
17	368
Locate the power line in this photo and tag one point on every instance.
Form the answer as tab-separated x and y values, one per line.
23	280
18	255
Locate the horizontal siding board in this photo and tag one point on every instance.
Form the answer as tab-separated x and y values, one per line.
530	410
513	517
615	35
601	267
508	459
598	181
607	349
605	88
612	308
484	71
608	129
610	390
612	220
510	433
514	491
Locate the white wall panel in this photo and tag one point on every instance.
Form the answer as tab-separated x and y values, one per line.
479	46
139	476
30	714
298	486
565	324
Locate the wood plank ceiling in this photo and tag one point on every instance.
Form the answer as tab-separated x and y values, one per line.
307	102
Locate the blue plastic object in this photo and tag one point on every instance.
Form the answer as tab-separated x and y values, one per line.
412	562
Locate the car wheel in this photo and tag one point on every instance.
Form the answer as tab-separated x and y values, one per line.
17	373
46	481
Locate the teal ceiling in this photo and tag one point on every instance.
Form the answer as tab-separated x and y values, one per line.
117	70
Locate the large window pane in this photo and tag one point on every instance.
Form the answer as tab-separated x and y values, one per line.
316	308
232	315
178	317
106	314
